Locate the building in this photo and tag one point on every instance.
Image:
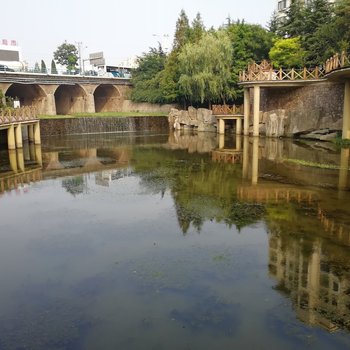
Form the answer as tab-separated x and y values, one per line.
283	5
10	54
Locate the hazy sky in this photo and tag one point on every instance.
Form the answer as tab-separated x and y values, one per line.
119	28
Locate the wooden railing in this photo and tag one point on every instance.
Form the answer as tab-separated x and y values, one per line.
15	115
227	110
292	74
337	61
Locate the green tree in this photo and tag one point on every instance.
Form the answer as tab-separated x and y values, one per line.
43	67
146	77
67	55
342	25
287	53
294	25
36	68
205	69
182	31
53	67
197	29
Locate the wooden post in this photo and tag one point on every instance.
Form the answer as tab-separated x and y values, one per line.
37	138
18	133
304	74
221	126
11	142
238	126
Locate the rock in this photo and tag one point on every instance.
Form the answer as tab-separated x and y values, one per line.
329	137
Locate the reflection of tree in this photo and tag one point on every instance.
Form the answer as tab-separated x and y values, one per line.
74	185
202	190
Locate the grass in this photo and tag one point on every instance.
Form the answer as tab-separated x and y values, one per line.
312	164
102	115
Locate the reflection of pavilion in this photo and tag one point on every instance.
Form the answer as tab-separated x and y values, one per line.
24	167
228	155
319	289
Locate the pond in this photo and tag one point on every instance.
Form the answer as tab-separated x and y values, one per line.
179	241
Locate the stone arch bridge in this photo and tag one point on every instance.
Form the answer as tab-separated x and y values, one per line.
55	94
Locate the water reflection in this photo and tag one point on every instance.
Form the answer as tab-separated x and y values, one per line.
200	238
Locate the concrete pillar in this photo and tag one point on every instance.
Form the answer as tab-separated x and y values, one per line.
18	134
255	161
245	157
32	151
256	110
239	126
346	113
13	160
20	159
26	151
90	103
246	111
11	142
31	132
37	138
221	126
344	168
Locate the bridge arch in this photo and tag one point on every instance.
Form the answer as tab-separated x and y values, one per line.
28	95
70	99
107	98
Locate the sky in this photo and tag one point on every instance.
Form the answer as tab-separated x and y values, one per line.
120	29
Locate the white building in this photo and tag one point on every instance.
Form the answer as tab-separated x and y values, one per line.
10	54
283	5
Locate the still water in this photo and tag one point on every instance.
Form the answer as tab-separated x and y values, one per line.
174	242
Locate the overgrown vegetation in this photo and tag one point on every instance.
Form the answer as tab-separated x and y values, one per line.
204	64
102	115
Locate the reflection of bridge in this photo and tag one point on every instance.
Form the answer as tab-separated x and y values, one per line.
55	94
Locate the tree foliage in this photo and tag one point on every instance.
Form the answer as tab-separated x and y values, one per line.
43	67
205	69
287	53
53	67
66	55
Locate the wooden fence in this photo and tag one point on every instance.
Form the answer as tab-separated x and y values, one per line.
16	115
227	110
337	61
271	74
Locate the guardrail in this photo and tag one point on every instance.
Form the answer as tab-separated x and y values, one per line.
337	61
15	115
282	74
227	109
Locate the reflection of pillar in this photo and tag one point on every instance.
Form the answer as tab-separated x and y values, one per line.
37	139
346	113
255	162
246	111
11	142
31	132
256	110
20	159
221	126
314	280
222	141
26	151
238	142
32	151
238	126
344	168
245	157
13	160
38	155
18	134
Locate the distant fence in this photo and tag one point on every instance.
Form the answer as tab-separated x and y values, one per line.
337	61
227	110
15	115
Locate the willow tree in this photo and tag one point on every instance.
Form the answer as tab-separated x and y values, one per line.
205	69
